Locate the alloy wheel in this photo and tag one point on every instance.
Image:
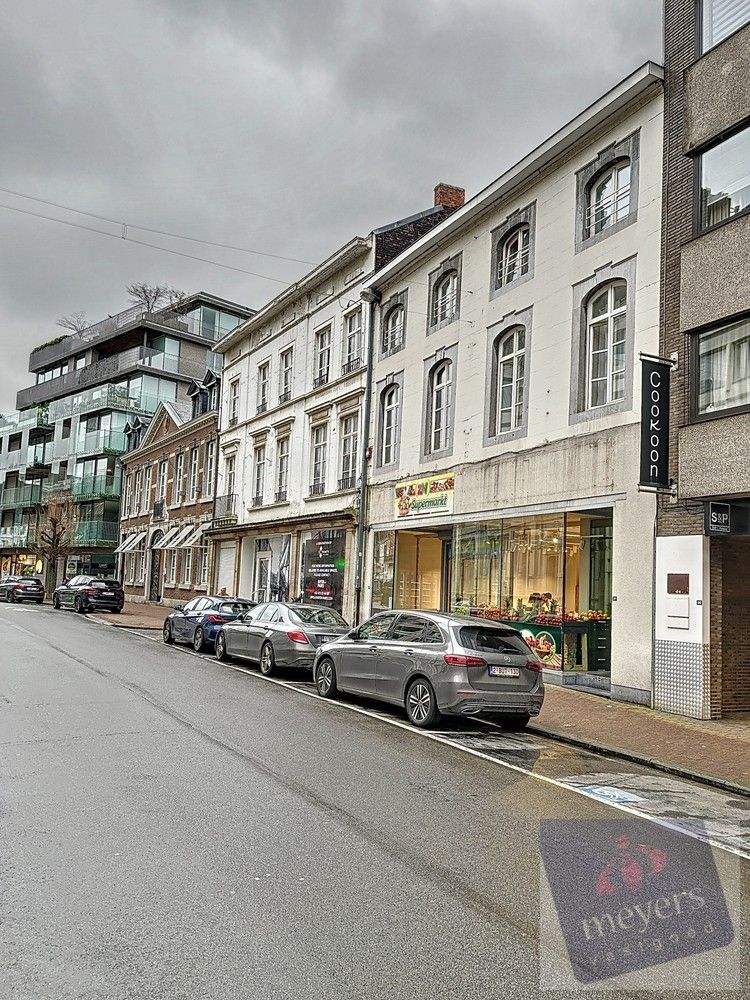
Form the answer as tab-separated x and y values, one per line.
421	705
198	641
324	678
167	633
266	659
221	647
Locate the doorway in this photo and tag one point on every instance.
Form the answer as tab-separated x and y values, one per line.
262	579
419	580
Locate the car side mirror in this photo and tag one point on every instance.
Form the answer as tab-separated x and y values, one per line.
179	607
354	634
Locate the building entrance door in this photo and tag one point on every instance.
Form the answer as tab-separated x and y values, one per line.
154	584
419	571
262	582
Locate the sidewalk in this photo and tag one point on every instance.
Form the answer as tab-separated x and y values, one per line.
713	752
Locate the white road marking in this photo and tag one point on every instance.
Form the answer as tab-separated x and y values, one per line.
444	741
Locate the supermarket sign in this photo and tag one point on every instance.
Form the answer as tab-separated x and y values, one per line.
424	497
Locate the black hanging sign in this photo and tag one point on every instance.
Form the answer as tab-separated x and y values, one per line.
655	423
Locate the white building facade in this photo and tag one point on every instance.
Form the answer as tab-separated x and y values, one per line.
291	429
505	398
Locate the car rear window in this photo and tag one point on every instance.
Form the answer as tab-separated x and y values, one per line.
491	640
233	608
317	616
106	584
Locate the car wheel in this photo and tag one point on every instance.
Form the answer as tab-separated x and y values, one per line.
199	643
10	597
325	678
79	606
515	723
55	602
267	660
421	704
221	648
167	633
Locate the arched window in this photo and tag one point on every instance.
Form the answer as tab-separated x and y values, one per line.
513	255
390	405
605	344
609	198
393	329
509	360
439	416
445	298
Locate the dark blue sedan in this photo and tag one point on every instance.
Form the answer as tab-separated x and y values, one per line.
200	619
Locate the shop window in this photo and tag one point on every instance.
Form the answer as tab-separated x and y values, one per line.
324	568
384	561
723	369
419	571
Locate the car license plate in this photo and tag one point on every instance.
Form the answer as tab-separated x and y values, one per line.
106	593
497	671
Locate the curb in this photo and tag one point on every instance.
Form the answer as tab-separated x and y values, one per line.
653	762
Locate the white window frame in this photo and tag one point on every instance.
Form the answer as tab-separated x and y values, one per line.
322	355
171	566
209	468
513	255
441	392
286	373
229	475
146	498
203	565
390	415
602	212
234	402
161	486
349	449
141	566
319	455
282	466
445	298
178	495
510	373
264	385
259	472
393	329
614	340
186	569
193	473
353	339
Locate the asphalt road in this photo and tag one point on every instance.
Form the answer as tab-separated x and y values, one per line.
171	828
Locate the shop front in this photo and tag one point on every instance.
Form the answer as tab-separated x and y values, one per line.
549	575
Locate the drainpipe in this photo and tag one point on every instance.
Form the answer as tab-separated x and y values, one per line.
372	298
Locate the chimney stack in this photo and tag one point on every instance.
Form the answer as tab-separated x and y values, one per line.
449	196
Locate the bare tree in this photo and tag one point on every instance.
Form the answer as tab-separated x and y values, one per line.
54	535
76	322
175	296
148	296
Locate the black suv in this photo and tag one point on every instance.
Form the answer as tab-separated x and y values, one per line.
90	593
21	588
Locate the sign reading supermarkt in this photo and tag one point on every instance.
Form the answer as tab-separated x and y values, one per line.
422	497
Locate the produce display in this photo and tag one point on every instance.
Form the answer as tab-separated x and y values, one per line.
529	615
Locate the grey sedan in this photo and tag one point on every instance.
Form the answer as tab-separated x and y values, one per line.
280	635
435	664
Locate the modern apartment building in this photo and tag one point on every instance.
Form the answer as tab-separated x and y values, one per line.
702	620
66	437
505	400
292	424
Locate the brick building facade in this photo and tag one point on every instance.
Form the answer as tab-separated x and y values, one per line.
702	623
169	478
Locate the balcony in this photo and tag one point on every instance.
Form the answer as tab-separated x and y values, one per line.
347	483
353	365
317	489
102	397
281	496
15	536
320	379
38	455
37	417
25	495
225	509
284	397
102	487
262	407
257	500
95	533
134	359
105	442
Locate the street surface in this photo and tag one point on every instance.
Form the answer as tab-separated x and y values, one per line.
171	827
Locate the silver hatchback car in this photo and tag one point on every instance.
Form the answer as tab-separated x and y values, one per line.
435	664
279	635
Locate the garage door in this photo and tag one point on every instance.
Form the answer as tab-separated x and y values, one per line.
225	566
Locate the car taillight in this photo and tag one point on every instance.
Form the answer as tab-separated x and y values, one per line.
534	665
18	586
91	591
297	636
215	618
458	660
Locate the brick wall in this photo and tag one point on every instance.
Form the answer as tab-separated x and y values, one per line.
735	644
392	242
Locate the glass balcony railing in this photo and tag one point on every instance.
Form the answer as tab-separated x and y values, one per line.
96	487
16	536
39	454
23	495
102	442
95	533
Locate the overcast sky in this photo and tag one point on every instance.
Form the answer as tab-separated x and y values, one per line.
286	126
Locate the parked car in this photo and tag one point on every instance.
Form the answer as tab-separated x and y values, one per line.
433	664
21	588
200	619
280	635
90	593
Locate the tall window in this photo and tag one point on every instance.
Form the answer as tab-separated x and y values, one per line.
213	398
259	474
161	488
509	362
171	570
441	389
234	402
203	565
187	567
285	374
319	458
194	473
352	340
349	451
178	494
725	179
513	256
229	474
322	356
721	18
209	468
724	367
264	384
128	493
609	198
137	493
445	298
282	469
390	406
606	345
393	329
146	501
